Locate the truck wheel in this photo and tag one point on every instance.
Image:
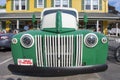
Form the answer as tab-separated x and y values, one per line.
117	54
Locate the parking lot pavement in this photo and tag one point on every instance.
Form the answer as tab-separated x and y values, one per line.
113	72
93	76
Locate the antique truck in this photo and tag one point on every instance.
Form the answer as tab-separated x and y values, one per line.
59	47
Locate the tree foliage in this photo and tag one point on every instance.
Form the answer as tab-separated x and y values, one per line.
2	7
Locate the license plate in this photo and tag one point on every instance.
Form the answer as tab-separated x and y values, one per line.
25	62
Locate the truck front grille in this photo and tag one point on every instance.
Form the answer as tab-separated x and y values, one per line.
58	50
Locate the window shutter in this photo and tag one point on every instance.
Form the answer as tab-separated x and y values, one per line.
45	2
52	3
12	3
35	3
82	4
28	4
100	4
70	3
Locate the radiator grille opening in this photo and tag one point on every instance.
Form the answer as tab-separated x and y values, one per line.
58	50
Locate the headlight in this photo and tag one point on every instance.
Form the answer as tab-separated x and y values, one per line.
27	40
91	40
104	40
14	41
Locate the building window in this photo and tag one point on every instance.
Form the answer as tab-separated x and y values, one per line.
95	4
40	3
91	5
16	4
20	4
87	4
23	5
61	3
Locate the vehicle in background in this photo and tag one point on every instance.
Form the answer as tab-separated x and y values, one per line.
117	53
114	31
5	40
114	47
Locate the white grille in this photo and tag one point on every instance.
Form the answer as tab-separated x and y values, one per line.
79	47
59	50
39	55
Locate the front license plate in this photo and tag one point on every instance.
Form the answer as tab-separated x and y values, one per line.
25	62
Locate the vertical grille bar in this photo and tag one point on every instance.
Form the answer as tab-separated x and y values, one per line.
79	50
39	56
50	47
55	51
58	50
72	51
46	50
36	47
62	53
67	52
64	49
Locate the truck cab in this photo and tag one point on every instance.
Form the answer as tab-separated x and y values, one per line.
59	19
59	47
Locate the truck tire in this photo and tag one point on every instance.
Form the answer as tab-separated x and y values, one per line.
117	54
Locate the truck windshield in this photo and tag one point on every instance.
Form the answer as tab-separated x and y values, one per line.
69	19
63	11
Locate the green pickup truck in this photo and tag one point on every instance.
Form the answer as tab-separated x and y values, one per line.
59	47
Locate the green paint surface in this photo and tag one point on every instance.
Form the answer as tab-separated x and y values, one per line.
91	56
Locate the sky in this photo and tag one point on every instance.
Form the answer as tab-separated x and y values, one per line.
115	3
2	2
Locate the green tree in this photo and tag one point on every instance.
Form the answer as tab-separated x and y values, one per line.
2	7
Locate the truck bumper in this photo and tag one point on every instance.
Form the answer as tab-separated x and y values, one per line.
55	71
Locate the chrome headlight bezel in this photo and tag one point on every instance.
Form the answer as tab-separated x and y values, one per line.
89	37
27	37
